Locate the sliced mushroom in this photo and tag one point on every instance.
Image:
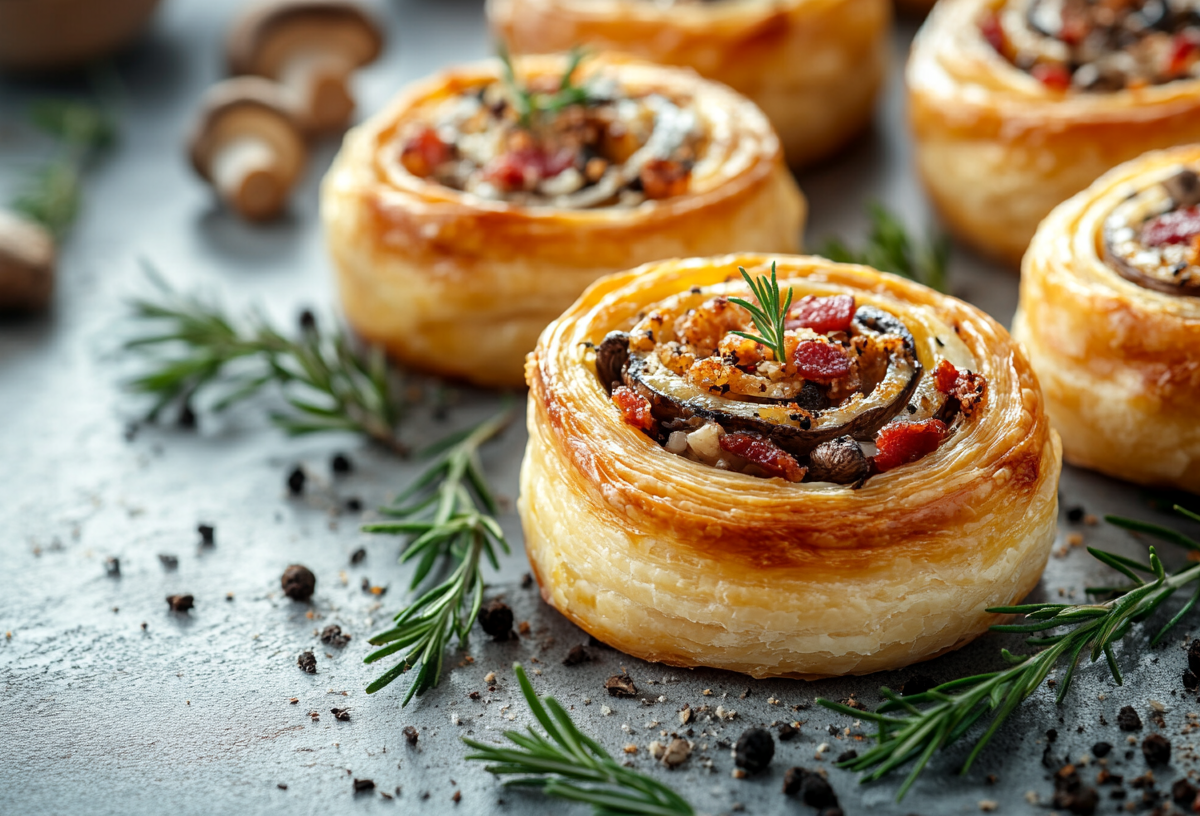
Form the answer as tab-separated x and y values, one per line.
840	461
311	47
26	264
612	355
248	145
1184	188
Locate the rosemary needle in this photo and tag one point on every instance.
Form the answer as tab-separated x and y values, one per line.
194	346
934	719
564	762
449	514
768	314
530	104
890	249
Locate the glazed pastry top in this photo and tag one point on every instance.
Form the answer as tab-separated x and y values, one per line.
1098	45
860	389
1152	238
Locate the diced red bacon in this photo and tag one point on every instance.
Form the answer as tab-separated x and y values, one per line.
525	167
1185	50
902	442
967	387
1053	75
662	178
634	408
822	314
825	362
764	453
1177	227
423	152
993	32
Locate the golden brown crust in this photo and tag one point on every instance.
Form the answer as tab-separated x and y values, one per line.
997	149
461	285
1119	363
672	560
813	66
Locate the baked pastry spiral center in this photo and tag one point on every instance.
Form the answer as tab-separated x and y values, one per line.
552	143
1098	45
1152	238
859	390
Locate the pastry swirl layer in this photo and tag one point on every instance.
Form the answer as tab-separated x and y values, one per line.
676	561
461	285
1119	362
997	148
813	66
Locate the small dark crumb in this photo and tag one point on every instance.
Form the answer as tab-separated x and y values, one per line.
754	750
1070	793
307	662
295	481
410	734
846	756
1128	719
308	320
340	714
371	589
474	695
793	780
496	618
208	534
918	684
341	463
1051	734
293	700
168	561
112	567
1101	749
1157	749
745	693
1193	656
621	685
817	792
457	797
187	417
298	582
362	785
788	732
179	603
577	655
385	795
1129	754
1118	794
229	596
833	730
358	556
143	626
281	786
354	505
1190	680
1075	514
1183	792
334	636
526	580
991	779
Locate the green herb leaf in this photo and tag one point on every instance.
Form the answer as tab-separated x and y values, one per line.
566	763
530	106
939	717
890	249
769	314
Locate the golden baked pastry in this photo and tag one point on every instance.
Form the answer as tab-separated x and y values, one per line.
856	509
1016	106
1110	316
473	210
813	66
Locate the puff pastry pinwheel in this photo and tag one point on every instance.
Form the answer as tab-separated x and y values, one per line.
467	215
688	498
813	66
1016	106
1110	316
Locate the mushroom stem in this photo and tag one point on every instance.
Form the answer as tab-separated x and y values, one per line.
247	176
318	81
26	264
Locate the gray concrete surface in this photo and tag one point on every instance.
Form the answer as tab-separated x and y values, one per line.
191	714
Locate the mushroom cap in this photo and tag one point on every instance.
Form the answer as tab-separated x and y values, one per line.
265	37
245	106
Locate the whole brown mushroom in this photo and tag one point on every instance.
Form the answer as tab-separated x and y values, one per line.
26	264
310	47
248	145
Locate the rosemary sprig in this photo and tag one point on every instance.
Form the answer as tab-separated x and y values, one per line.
51	195
767	314
566	763
530	105
890	249
197	347
448	514
949	711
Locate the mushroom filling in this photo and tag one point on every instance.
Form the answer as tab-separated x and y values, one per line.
851	398
1153	237
1098	45
599	147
